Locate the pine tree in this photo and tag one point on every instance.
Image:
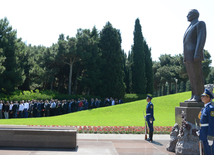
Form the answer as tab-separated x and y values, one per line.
91	62
67	54
12	75
138	65
148	70
2	59
112	72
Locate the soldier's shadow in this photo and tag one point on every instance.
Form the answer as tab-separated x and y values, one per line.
157	143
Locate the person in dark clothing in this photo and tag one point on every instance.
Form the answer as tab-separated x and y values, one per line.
47	108
6	110
97	103
14	109
35	109
39	108
92	105
150	117
42	108
77	104
63	107
59	108
69	106
31	109
10	110
73	105
86	104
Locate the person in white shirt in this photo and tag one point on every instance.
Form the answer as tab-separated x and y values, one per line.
21	109
26	107
112	101
10	110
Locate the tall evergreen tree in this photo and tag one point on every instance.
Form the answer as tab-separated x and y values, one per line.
67	54
126	72
2	59
91	61
138	65
112	72
148	70
130	62
12	75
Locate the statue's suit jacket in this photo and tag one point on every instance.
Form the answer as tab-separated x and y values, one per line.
193	41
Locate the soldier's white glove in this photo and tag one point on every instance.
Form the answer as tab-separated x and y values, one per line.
198	133
210	142
145	117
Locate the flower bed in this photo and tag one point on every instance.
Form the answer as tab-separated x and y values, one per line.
116	129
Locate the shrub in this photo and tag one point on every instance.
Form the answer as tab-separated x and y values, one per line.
134	97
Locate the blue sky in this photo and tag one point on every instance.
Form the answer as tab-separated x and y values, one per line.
39	22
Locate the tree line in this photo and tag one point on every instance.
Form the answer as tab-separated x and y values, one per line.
170	71
91	63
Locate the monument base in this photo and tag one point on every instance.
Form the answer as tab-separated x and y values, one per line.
37	137
191	109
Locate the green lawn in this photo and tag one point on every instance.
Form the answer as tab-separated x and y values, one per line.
128	114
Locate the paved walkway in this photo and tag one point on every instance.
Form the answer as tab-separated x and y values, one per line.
103	144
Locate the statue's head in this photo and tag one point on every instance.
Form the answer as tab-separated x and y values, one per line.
193	14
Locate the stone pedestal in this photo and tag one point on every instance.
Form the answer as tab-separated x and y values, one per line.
191	109
38	137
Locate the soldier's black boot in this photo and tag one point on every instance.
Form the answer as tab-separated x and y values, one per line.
151	136
149	139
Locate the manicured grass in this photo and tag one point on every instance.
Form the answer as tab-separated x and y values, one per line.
128	114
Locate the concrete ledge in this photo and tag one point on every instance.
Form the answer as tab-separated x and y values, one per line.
38	137
191	104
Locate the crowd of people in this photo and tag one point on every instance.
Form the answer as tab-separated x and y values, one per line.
40	108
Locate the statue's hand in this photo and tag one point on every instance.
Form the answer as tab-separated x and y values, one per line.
196	59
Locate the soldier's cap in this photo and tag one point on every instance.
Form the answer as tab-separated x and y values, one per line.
207	93
148	96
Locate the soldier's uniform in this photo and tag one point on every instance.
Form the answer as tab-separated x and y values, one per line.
206	117
150	117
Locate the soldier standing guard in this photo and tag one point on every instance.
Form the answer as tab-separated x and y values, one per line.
150	117
206	116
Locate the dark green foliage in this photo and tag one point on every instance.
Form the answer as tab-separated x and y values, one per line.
11	75
170	68
148	70
210	77
134	97
91	61
112	74
126	70
129	68
138	65
42	95
2	59
206	64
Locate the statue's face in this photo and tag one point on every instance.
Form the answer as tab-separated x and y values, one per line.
191	16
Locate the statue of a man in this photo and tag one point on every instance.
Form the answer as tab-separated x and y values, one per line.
193	44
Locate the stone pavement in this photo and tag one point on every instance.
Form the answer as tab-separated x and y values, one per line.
103	144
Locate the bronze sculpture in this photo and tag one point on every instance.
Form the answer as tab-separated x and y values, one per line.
193	44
